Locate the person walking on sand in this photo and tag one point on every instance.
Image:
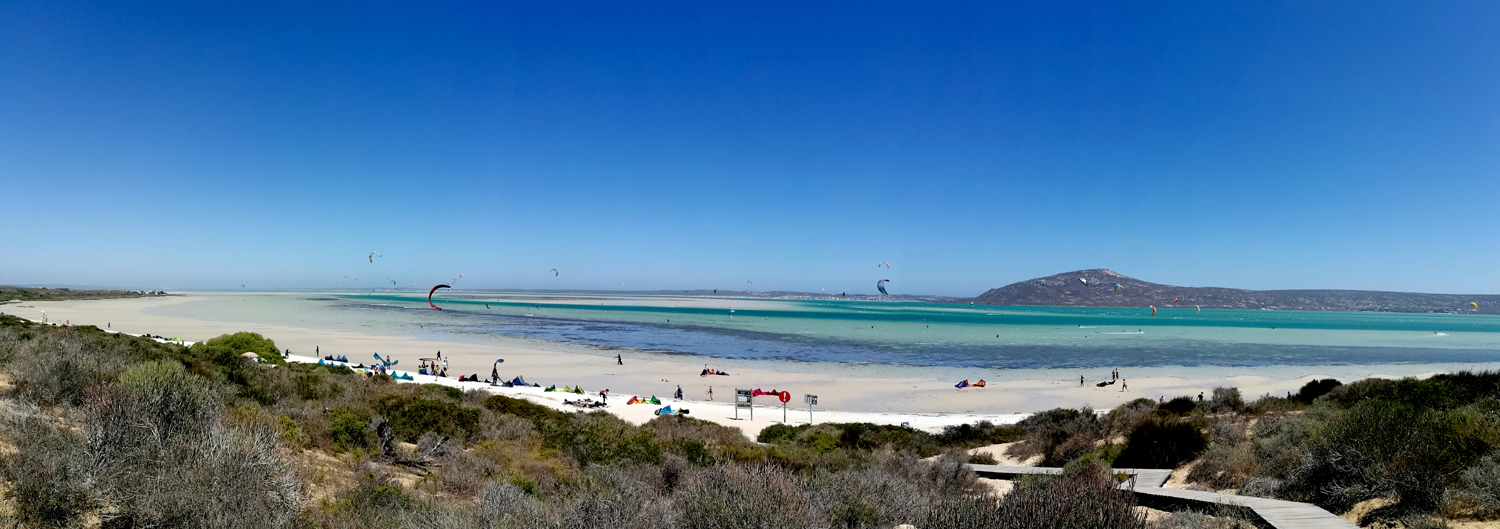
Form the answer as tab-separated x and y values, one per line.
619	361
678	395
710	393
1124	386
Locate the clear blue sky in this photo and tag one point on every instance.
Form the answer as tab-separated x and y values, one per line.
692	145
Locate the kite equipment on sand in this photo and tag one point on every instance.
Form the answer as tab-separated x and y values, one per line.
880	285
429	296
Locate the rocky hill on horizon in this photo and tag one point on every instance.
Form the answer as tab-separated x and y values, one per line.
1097	288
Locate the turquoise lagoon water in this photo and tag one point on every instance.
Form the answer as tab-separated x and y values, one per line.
899	333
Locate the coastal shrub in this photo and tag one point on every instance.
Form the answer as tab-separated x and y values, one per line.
412	417
978	434
1178	406
777	434
602	438
309	386
881	494
248	342
1480	488
44	470
349	431
1226	400
1058	435
523	408
745	496
1163	442
1383	449
441	391
1079	500
1225	465
1314	389
1198	520
189	489
58	366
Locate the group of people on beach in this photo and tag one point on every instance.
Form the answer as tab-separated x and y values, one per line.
1114	376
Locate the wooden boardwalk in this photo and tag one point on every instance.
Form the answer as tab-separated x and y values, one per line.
1147	486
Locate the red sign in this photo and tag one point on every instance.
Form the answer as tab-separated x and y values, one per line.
786	396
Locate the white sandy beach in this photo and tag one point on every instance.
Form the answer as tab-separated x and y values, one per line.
921	397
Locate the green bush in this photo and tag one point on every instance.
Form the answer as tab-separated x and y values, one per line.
442	391
1314	389
308	386
1178	406
523	408
412	417
249	342
349	431
1163	442
777	434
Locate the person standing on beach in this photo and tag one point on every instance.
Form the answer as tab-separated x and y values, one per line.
710	393
678	395
1080	381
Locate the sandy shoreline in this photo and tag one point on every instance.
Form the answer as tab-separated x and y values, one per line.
923	397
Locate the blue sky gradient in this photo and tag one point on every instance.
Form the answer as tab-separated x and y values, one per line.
669	145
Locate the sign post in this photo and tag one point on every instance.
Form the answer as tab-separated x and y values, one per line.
785	396
742	400
810	399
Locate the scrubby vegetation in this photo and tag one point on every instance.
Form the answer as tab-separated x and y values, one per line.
1426	449
112	431
9	293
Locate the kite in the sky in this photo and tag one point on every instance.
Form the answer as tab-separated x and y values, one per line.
881	286
1174	300
1117	286
882	263
1476	305
1084	280
429	296
1200	309
555	273
372	256
1153	310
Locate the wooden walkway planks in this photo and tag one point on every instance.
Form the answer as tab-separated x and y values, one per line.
1265	512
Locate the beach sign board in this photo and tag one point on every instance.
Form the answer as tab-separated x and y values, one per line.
742	400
